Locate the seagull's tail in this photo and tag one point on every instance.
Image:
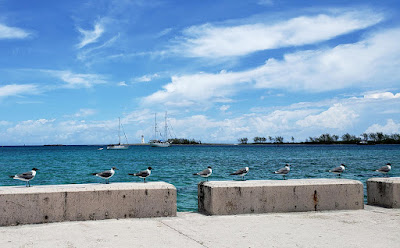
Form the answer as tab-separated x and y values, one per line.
132	174
94	174
195	174
11	176
233	174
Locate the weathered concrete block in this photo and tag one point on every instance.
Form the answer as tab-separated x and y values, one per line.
55	203
384	192
296	195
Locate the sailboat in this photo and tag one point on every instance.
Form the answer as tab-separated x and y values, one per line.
119	146
158	142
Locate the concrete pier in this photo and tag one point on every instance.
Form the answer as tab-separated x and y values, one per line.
384	192
55	203
264	196
371	227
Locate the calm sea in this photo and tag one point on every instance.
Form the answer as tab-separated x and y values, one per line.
176	164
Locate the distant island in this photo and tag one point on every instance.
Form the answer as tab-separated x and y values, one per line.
363	139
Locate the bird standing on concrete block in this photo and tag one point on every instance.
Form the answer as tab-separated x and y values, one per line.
26	176
142	174
106	174
204	173
241	172
338	170
283	171
385	169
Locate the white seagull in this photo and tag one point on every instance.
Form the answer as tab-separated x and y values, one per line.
338	170
283	171
142	174
241	172
385	169
204	173
106	174
26	176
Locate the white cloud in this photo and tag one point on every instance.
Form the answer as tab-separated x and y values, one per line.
224	108
390	127
220	41
381	95
122	83
17	89
90	36
146	78
12	32
77	80
361	64
85	112
5	123
337	117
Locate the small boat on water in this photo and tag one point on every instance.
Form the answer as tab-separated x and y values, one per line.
159	142
101	148
119	146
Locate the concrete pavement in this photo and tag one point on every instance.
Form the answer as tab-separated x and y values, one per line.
370	227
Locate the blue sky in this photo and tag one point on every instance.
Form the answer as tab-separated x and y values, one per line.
222	69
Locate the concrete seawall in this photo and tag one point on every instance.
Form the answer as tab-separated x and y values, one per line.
384	192
55	203
264	196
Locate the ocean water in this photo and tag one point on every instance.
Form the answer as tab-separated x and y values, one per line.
176	164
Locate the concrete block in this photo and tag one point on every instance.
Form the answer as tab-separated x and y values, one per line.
384	192
55	203
264	196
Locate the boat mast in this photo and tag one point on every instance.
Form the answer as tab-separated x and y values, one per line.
119	130
155	126
166	128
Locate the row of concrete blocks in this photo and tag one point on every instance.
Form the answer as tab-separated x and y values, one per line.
55	203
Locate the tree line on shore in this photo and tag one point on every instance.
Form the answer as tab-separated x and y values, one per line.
365	138
182	141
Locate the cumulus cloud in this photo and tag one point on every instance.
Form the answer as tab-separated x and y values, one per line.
337	117
17	90
90	36
390	127
361	64
212	41
7	32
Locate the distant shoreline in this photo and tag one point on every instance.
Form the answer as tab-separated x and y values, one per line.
209	144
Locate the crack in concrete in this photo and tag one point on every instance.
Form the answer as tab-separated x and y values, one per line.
187	236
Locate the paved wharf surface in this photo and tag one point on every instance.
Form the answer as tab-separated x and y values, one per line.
370	227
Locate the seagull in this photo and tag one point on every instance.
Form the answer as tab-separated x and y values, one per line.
142	174
106	174
241	172
26	176
338	170
385	169
204	173
283	171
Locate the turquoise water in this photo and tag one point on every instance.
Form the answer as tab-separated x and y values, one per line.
176	164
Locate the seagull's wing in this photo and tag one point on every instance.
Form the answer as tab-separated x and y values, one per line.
26	175
239	172
204	172
144	173
337	169
105	174
283	170
384	169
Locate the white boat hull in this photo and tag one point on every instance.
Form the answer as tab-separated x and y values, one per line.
117	147
160	144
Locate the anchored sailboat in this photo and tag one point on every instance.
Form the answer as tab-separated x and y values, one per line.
119	146
158	142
